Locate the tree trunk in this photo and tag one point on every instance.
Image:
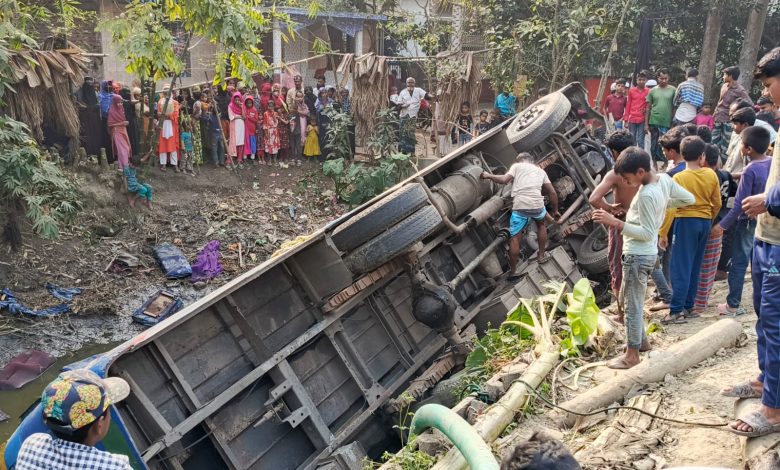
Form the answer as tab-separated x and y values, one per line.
709	50
753	32
457	27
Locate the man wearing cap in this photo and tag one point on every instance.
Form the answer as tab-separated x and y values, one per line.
75	408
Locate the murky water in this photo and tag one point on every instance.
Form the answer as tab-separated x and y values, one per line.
16	402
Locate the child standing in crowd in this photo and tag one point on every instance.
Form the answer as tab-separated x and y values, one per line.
495	118
705	117
186	147
483	125
284	135
634	114
640	237
252	118
465	125
713	249
755	141
311	148
692	226
271	133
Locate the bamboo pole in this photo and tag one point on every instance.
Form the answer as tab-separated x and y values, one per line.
499	415
677	358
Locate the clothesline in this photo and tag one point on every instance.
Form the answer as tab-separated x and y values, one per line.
285	65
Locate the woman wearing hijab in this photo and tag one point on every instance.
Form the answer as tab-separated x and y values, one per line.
132	122
168	145
237	130
265	97
310	99
276	93
323	102
117	125
105	104
89	117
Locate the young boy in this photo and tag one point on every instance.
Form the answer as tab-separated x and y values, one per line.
528	182
622	195
615	104
640	238
540	452
692	226
636	102
465	123
713	249
755	141
483	125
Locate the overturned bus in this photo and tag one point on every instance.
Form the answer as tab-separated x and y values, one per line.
296	364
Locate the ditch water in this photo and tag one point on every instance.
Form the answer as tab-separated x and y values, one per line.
16	402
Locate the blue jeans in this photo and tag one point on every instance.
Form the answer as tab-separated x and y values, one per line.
638	131
217	150
660	275
636	271
741	251
690	238
766	301
655	148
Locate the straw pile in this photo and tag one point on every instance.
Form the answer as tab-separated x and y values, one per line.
369	90
43	90
461	81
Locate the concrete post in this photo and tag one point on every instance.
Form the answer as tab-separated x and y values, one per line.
277	40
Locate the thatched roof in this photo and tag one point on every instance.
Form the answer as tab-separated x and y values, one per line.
43	89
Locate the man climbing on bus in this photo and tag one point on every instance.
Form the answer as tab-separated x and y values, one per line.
529	182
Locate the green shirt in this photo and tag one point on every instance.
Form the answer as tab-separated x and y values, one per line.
660	100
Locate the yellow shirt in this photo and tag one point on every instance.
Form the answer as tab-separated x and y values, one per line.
705	187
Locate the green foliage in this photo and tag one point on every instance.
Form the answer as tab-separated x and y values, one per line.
384	141
49	197
359	182
12	38
493	350
340	133
140	35
61	16
356	183
582	316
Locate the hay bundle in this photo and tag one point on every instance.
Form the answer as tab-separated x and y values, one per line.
369	93
26	105
461	81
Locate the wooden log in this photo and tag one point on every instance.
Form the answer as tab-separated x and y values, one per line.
103	158
491	424
677	358
757	452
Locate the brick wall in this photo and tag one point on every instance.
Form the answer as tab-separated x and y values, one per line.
83	36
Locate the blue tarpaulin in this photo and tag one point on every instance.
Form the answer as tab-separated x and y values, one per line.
8	301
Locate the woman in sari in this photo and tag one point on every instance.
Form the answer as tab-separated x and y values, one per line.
117	125
237	130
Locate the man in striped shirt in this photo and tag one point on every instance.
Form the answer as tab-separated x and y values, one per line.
688	99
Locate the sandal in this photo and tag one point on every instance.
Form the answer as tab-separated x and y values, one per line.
761	426
670	319
743	390
726	311
689	314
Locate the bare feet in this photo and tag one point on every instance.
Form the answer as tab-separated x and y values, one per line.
617	319
659	306
148	204
626	361
131	201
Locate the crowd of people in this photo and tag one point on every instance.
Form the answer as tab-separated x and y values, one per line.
706	198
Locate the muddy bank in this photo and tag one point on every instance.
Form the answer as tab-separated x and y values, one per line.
257	209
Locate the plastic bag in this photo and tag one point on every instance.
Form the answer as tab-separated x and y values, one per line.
172	261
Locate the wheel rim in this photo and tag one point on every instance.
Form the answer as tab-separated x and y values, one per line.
529	116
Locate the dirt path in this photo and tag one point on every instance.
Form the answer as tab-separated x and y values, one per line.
259	207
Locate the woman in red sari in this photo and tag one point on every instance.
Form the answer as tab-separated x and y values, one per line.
117	128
